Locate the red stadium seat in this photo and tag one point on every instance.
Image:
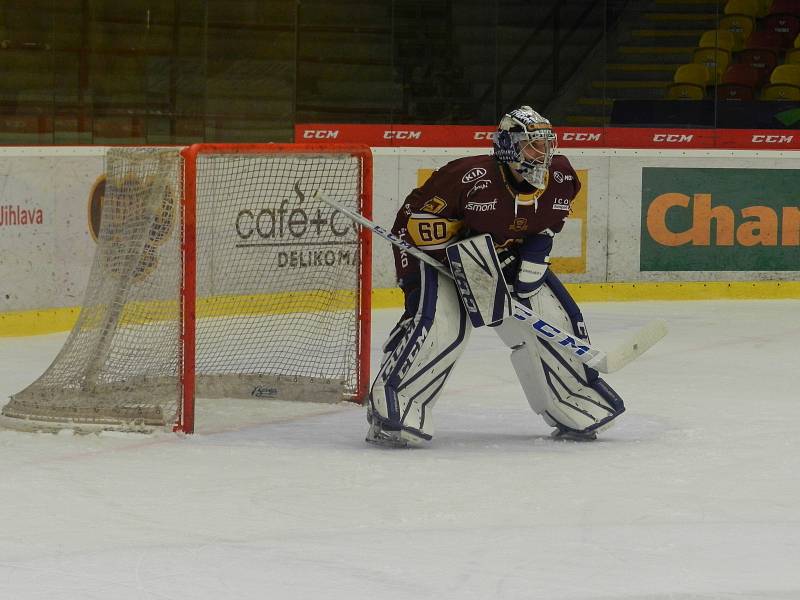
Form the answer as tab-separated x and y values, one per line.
783	18
784	7
761	52
738	83
786	26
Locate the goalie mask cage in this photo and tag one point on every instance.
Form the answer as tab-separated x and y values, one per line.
213	277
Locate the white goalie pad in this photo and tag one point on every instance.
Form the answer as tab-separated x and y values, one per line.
418	358
566	393
479	280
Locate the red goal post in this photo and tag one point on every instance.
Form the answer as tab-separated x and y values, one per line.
189	295
213	279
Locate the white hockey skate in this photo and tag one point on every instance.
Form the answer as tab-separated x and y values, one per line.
573	436
389	438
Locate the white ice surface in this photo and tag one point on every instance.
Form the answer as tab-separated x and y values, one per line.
695	494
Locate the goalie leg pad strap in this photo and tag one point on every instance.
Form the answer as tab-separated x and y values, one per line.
420	358
568	395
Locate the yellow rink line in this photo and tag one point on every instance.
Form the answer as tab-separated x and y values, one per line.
35	322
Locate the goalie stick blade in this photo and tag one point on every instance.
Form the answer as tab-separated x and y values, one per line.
633	347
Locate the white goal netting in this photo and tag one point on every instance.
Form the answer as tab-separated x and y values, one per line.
278	291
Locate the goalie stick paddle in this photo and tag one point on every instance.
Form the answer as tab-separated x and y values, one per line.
605	362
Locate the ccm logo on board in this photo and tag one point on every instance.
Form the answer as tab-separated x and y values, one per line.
580	137
401	135
483	135
673	137
320	134
773	139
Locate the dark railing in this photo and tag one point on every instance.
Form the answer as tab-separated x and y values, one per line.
552	21
554	60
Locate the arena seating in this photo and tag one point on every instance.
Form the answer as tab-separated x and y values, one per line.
739	18
690	82
739	82
715	49
763	62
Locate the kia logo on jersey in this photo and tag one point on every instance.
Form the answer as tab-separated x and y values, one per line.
473	174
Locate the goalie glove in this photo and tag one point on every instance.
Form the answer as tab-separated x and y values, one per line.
534	260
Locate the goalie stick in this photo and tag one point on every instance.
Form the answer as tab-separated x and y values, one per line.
605	362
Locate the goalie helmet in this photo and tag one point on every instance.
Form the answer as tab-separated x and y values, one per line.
525	141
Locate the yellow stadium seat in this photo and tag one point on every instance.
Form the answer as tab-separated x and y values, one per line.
742	7
784	83
692	73
780	92
717	38
763	8
689	82
792	56
741	26
715	60
786	74
685	91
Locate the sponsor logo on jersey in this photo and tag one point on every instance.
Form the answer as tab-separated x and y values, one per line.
435	205
473	174
561	204
481	206
560	177
481	184
519	224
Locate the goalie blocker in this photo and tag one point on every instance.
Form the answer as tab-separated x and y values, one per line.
424	347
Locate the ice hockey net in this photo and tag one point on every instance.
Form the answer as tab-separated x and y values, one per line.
212	277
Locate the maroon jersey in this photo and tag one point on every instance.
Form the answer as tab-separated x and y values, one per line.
475	195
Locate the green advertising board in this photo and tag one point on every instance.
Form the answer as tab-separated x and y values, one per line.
720	219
